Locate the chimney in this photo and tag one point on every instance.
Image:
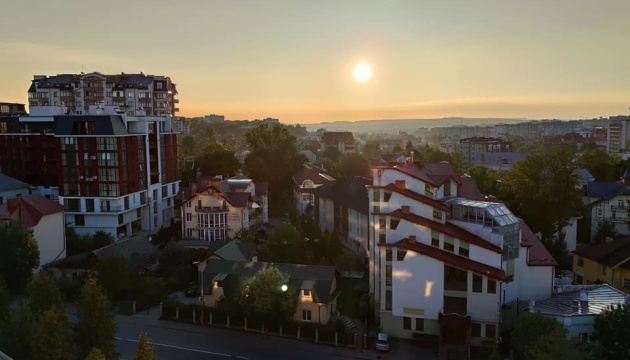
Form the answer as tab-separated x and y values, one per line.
400	184
13	203
405	209
583	296
412	239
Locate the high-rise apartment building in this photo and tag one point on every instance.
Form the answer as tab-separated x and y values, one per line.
135	93
472	147
113	172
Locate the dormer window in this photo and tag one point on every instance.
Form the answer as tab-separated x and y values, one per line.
447	188
306	293
428	190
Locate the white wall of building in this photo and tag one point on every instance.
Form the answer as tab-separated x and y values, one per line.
9	194
326	215
358	230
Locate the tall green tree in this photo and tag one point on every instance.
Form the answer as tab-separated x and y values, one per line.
216	159
529	330
408	148
16	333
5	300
274	158
53	338
95	354
612	331
43	294
353	164
599	163
542	189
287	244
96	326
265	298
557	347
332	153
371	150
144	351
19	255
117	279
605	229
485	178
189	146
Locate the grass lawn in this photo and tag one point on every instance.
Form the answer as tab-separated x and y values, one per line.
347	298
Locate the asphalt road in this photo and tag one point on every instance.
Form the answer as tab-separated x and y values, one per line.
185	341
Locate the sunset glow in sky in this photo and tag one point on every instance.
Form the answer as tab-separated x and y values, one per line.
295	60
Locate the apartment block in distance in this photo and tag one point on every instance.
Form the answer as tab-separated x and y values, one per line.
113	172
134	93
444	259
472	148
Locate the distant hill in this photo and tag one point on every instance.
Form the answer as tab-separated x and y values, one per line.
409	125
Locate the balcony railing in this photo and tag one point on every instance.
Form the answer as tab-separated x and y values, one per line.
211	226
211	209
112	209
455	285
620	208
620	219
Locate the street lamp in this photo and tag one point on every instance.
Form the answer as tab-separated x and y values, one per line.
200	269
284	288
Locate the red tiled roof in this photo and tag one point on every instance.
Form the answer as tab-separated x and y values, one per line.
28	210
450	258
469	190
313	173
431	173
335	137
414	195
538	254
447	229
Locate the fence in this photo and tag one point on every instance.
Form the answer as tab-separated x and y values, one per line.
197	314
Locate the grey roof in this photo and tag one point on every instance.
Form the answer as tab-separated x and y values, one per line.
584	175
237	199
236	250
103	124
9	183
137	251
239	272
606	190
600	298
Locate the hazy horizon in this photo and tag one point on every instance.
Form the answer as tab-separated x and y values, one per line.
294	60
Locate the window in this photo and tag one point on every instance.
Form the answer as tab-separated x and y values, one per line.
189	204
189	232
393	223
138	213
475	330
388	195
580	261
381	223
79	220
419	324
377	196
381	238
492	286
447	188
400	254
306	293
388	254
188	217
477	285
388	299
455	279
407	323
428	190
388	274
449	244
491	331
463	249
306	315
437	214
435	242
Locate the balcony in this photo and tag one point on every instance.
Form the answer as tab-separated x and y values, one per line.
620	219
620	208
211	209
111	209
455	285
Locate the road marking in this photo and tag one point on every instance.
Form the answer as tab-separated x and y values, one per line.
187	349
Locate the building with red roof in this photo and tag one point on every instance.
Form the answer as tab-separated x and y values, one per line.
45	217
444	257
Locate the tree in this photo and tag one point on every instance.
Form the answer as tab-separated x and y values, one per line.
353	164
332	153
286	244
218	160
5	300
53	338
599	163
19	255
16	333
605	229
408	148
485	178
612	330
144	351
116	278
435	155
371	150
530	329
266	298
189	146
96	354
274	158
101	239
558	347
245	235
43	294
96	326
542	190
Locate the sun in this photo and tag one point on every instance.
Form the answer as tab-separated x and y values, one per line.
362	72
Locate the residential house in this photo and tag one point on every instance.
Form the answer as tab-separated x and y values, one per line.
609	201
607	263
342	206
316	287
235	250
577	310
341	140
393	158
444	259
45	218
305	180
140	254
11	187
218	209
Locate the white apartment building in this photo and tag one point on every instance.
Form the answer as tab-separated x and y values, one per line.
443	259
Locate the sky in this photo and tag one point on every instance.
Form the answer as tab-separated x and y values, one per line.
294	59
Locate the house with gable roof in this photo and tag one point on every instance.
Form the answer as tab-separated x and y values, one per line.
444	258
218	209
607	263
11	187
609	201
341	140
309	177
45	217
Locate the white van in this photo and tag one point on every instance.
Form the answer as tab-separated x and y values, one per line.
382	342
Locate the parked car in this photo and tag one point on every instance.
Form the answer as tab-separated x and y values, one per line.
192	290
382	342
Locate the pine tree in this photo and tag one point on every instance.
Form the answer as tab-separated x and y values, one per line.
53	338
144	351
96	354
96	327
43	293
